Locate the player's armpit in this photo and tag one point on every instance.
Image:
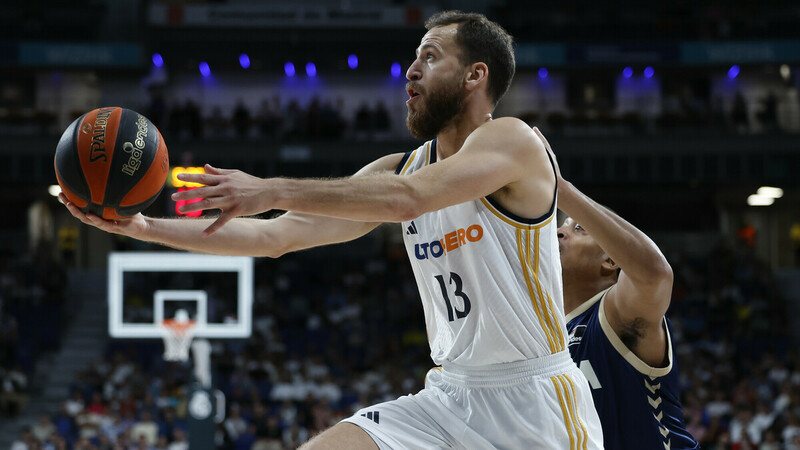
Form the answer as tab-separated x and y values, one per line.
636	313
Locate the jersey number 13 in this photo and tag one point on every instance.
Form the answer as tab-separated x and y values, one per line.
456	280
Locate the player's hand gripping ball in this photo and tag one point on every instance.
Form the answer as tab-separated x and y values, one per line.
111	162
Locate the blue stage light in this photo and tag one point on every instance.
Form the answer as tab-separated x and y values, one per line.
627	72
288	68
158	61
352	61
244	61
311	69
396	69
205	70
733	72
543	73
649	72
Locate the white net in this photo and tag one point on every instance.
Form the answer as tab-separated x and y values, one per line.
177	339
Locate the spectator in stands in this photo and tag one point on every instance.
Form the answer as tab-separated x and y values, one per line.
269	118
145	429
74	405
234	425
13	390
362	122
381	117
157	109
246	440
294	436
742	427
794	444
294	120
9	335
193	119
98	405
770	441
179	441
241	120
268	434
177	121
739	114
768	116
314	118
792	428
332	125
217	123
170	423
25	442
43	429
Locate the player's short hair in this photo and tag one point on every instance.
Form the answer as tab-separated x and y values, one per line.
482	40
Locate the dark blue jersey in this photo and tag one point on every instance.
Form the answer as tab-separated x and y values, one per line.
639	406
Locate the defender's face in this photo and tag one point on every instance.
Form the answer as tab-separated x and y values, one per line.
578	249
435	83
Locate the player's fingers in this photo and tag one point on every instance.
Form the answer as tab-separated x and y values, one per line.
217	224
190	194
216	170
76	212
208	179
206	203
99	222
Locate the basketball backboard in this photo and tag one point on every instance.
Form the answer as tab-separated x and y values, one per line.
145	288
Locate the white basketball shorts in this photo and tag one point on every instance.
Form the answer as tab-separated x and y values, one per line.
542	403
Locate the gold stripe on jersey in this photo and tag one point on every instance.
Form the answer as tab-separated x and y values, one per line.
562	340
427	153
524	259
575	408
564	412
410	160
573	414
551	308
513	223
547	306
553	327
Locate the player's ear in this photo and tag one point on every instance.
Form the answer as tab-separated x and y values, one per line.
477	74
608	265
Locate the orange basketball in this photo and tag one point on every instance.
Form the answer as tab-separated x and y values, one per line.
111	162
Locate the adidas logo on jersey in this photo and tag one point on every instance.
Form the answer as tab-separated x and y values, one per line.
412	229
450	241
576	335
372	415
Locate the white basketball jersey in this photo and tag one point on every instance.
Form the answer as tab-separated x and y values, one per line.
490	281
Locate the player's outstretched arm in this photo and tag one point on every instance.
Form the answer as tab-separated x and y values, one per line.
243	236
496	155
644	288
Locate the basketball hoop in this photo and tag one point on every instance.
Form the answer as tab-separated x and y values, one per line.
177	336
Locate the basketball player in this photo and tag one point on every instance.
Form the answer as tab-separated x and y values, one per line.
617	287
476	203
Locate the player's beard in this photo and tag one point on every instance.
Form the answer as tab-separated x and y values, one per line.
436	111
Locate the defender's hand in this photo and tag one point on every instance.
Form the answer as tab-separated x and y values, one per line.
233	192
134	226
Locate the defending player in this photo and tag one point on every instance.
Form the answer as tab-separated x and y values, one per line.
617	287
477	205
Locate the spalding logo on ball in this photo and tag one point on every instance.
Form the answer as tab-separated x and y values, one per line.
111	162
